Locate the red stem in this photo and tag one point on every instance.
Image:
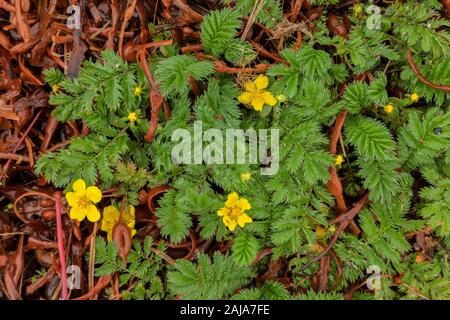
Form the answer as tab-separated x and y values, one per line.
422	78
59	238
8	163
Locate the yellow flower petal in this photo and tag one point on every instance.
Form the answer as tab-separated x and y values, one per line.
246	176
230	223
109	235
78	213
222	212
94	194
269	99
110	218
128	217
130	224
232	200
110	213
245	98
243	219
243	204
79	185
226	220
261	82
128	213
72	199
93	214
107	225
339	160
250	86
258	102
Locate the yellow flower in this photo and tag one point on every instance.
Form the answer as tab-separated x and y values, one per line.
138	90
82	200
332	228
246	176
132	117
388	108
320	232
111	217
281	98
339	160
55	88
317	247
357	9
255	95
420	258
233	212
414	97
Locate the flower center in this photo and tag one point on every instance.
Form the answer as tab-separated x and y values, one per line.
258	94
235	212
83	202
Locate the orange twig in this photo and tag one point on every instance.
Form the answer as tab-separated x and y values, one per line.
8	163
267	53
102	282
127	16
60	239
443	87
334	184
344	220
8	7
156	99
22	25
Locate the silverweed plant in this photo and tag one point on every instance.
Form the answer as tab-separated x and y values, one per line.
364	155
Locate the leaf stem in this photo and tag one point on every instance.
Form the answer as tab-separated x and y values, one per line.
60	240
8	163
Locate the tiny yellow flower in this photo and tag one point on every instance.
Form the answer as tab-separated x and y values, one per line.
357	9
339	160
281	98
83	200
317	247
332	228
55	88
255	94
246	176
320	232
138	90
388	108
420	258
414	97
233	212
132	117
111	216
